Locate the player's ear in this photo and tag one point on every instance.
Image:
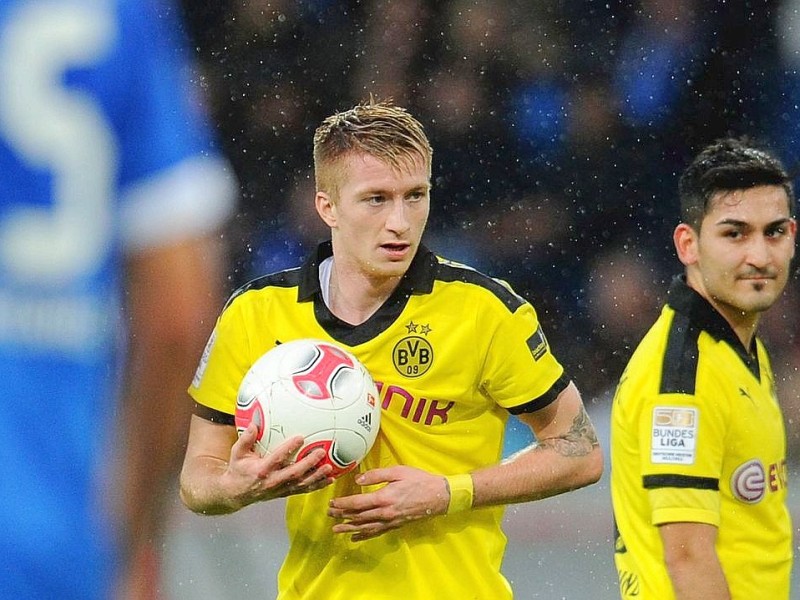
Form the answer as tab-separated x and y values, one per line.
326	208
685	239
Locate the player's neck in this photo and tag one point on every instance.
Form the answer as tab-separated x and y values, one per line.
744	325
353	296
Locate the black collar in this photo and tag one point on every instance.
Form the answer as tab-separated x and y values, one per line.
699	311
418	279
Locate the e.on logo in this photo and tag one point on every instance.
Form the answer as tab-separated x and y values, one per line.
751	481
748	482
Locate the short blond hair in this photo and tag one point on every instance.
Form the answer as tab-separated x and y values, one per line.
380	129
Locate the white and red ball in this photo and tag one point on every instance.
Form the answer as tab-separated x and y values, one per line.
315	389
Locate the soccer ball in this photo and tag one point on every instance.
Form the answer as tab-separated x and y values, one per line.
315	389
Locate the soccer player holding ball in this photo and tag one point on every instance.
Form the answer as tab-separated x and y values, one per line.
452	351
698	447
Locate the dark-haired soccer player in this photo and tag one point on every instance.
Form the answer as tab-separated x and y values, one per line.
453	352
698	448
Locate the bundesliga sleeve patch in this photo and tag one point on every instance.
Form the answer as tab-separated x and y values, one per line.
674	435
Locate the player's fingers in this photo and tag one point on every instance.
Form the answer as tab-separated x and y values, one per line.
246	442
340	507
284	451
360	508
283	471
364	531
384	475
312	484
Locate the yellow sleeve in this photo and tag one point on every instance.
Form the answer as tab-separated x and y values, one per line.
519	365
682	449
226	359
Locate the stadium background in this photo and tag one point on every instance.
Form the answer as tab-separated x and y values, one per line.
559	129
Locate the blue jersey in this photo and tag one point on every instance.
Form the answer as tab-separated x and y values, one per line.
103	150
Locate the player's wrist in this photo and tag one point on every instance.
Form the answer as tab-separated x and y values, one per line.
461	490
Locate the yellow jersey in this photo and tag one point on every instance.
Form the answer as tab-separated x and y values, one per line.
453	352
697	435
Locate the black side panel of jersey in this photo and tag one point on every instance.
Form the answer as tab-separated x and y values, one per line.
679	370
451	273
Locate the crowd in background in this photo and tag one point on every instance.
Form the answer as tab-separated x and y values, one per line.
559	129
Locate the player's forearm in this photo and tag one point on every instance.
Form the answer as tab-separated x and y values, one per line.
691	558
566	457
698	580
540	471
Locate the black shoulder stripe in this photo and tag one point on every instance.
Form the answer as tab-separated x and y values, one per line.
286	279
213	415
544	400
679	369
680	481
449	272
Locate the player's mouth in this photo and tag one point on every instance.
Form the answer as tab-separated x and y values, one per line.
396	250
761	278
758	282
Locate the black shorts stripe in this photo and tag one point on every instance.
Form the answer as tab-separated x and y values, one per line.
680	481
679	369
213	415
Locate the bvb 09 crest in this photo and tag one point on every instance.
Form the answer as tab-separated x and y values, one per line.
412	356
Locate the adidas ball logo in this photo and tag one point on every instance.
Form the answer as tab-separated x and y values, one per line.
366	421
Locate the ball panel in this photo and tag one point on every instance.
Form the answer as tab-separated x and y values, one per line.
314	389
331	456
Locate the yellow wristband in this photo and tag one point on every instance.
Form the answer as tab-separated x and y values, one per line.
460	487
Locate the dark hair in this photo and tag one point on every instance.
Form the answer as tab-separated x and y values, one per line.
728	164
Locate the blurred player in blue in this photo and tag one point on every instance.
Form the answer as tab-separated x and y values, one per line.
111	203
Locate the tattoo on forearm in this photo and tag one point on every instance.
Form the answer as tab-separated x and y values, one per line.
578	441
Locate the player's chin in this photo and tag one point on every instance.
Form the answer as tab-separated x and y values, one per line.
394	267
759	301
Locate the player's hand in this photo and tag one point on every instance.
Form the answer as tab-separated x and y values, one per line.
253	478
409	494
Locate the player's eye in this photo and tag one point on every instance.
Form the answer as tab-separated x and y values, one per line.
776	232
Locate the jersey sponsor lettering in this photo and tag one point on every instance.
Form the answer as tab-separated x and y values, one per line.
674	435
418	410
777	477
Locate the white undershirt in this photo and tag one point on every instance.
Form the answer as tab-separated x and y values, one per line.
325	270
